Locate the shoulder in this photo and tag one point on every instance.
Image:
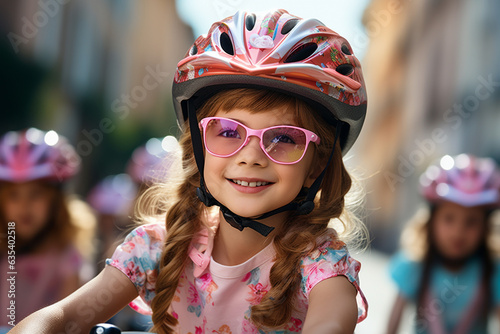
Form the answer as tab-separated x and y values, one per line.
329	259
330	249
401	263
406	273
141	248
151	236
138	257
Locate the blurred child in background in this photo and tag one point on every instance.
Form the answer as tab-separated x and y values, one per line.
153	162
53	234
112	199
449	269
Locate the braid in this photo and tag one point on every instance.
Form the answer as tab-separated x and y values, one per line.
276	307
296	241
182	222
172	264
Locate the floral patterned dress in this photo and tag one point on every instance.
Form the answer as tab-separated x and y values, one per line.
214	298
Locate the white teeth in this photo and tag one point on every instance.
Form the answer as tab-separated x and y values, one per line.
250	184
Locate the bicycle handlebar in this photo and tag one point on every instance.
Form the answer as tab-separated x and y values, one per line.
111	329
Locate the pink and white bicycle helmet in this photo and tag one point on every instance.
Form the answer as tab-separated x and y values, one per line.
154	158
34	154
114	195
278	51
464	179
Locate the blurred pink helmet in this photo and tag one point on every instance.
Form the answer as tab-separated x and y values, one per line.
114	195
34	154
151	161
279	51
464	179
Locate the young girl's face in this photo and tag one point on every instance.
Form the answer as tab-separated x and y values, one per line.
282	183
458	230
28	205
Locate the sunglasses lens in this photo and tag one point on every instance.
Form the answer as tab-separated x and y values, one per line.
224	137
284	144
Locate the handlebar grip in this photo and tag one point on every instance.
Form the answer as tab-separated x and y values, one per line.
105	329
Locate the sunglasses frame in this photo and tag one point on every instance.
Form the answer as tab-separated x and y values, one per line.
259	133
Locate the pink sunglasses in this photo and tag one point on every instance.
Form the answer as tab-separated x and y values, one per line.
283	144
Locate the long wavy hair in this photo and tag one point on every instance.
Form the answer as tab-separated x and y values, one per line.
184	211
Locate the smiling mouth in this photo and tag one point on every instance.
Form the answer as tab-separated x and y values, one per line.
252	184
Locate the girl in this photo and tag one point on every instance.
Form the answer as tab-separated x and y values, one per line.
450	271
112	199
268	103
39	225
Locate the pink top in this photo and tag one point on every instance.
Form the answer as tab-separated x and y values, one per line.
38	280
214	298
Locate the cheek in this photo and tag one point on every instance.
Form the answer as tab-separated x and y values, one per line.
442	231
11	208
474	234
214	163
41	206
213	169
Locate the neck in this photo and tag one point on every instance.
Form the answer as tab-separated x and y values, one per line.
233	247
454	264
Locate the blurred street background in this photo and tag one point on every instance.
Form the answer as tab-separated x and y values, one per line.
100	73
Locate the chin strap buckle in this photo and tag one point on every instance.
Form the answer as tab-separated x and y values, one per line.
305	208
240	223
233	219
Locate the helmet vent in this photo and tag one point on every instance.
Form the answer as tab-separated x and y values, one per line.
289	25
193	51
345	69
301	53
345	49
226	43
250	22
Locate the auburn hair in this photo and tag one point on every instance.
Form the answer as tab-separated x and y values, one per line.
184	211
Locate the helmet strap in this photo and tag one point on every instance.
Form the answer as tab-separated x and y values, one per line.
301	208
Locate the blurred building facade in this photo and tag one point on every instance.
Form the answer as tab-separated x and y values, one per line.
99	72
433	81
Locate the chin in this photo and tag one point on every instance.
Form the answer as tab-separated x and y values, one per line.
456	256
248	213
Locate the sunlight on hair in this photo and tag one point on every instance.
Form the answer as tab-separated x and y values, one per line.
170	144
350	226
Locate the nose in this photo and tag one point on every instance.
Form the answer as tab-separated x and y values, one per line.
251	154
